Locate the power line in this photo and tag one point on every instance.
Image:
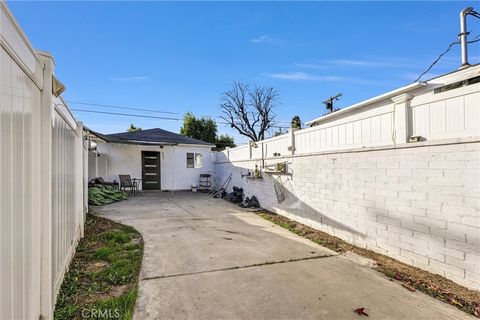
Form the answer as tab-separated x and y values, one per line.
126	114
227	123
450	46
148	117
139	109
120	107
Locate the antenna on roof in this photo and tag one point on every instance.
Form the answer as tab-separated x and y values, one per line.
329	102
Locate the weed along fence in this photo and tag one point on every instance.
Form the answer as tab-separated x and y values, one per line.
42	203
397	174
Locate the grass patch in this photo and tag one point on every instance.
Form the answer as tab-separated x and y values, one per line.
411	278
103	276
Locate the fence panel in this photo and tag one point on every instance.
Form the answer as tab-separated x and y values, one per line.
367	128
19	216
453	113
277	145
38	233
64	202
239	153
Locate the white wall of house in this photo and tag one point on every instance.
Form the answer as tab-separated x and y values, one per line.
355	176
97	165
127	159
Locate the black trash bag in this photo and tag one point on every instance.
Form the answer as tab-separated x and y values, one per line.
250	203
236	196
245	203
254	202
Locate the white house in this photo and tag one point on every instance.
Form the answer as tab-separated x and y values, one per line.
162	159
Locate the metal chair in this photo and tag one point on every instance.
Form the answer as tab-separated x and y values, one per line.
127	183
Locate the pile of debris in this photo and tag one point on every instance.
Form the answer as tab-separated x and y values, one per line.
222	193
236	196
250	203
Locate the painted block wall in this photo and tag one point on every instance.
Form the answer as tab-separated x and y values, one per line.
417	203
127	159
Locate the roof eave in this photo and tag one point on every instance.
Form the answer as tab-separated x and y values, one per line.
156	143
145	143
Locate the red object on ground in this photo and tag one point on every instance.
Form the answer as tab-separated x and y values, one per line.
361	312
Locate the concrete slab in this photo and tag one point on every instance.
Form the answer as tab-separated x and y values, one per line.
323	288
208	259
194	233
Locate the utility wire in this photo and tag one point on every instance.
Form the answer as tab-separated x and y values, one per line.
450	46
136	109
148	117
126	114
120	107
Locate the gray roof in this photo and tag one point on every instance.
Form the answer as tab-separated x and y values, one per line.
153	136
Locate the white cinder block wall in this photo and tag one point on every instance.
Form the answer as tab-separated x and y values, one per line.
353	174
417	203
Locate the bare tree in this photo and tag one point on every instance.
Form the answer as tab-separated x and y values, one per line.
249	111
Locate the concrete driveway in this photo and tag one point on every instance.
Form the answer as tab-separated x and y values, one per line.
209	259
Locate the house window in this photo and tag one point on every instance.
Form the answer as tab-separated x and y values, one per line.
198	160
194	160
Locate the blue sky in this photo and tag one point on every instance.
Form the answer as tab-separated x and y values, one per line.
181	56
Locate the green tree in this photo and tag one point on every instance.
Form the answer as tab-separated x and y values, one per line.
204	128
296	123
133	128
224	140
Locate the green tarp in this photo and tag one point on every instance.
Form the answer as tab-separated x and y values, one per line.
100	195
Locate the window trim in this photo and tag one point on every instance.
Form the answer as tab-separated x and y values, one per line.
192	157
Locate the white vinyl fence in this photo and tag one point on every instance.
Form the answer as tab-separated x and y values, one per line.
423	111
41	173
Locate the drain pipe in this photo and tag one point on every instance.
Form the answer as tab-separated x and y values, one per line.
463	36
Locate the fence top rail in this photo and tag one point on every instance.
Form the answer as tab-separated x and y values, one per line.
283	136
411	88
14	41
370	101
64	111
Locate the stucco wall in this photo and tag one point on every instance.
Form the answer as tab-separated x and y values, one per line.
418	203
127	159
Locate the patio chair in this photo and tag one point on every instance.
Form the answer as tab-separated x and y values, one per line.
127	183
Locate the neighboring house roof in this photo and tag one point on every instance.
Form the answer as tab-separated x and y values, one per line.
95	135
155	136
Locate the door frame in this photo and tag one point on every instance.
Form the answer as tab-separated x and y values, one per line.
158	169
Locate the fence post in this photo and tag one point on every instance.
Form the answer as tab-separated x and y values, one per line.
291	137
401	114
46	120
79	178
228	152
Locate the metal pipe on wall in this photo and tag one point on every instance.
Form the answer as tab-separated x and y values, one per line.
463	36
